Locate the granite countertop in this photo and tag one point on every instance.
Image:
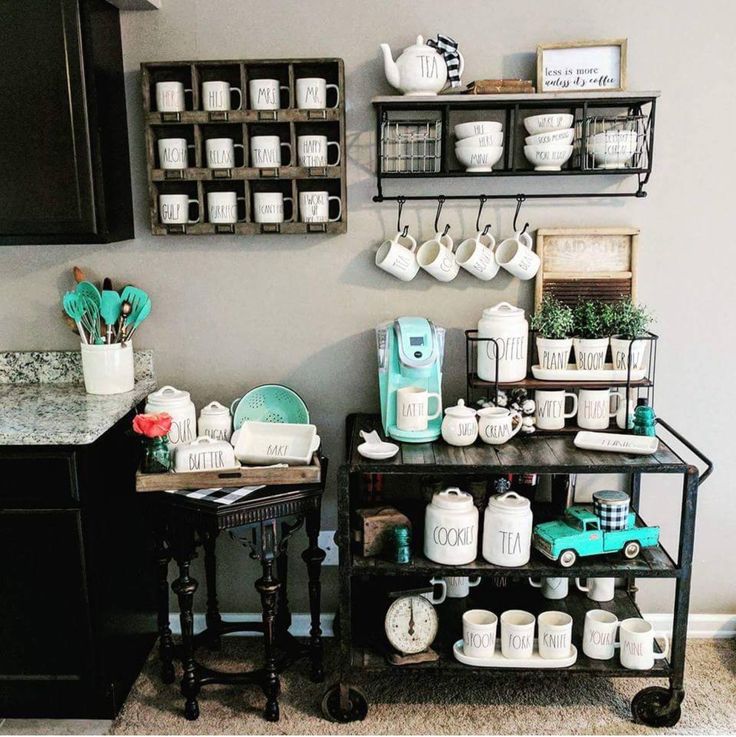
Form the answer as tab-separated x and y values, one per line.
43	401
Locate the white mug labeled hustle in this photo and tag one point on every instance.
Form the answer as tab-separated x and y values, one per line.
173	153
516	256
596	408
551	587
412	408
397	256
637	644
550	411
479	633
170	97
311	93
475	255
268	207
313	151
555	634
314	207
173	209
222	207
496	425
435	256
598	589
265	152
517	634
217	96
265	94
220	153
599	634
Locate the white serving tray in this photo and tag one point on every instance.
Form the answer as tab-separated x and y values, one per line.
642	445
499	661
269	443
571	373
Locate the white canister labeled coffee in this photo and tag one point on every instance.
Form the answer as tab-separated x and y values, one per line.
215	422
507	530
179	405
507	335
451	528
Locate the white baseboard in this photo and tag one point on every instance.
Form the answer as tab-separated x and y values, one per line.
700	626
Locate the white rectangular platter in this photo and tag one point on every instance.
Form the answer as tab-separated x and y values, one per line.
571	373
499	661
642	445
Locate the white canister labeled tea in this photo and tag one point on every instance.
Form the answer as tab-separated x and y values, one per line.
504	334
451	528
215	422
507	530
179	405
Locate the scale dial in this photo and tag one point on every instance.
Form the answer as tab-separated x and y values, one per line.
411	624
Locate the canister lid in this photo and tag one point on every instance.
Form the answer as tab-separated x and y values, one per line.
503	310
460	410
616	498
168	396
214	408
510	501
453	499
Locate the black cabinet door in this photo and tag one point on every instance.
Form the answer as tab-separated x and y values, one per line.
46	184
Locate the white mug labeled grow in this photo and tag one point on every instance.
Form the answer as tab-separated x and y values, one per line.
397	256
314	207
516	256
412	408
475	255
550	411
435	256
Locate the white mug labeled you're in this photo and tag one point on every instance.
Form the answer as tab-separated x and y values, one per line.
552	587
550	410
599	634
555	634
475	255
598	589
397	256
265	94
314	207
173	153
311	93
516	256
435	256
637	644
220	153
265	152
173	209
170	97
412	408
313	151
517	634
595	408
222	207
217	96
268	207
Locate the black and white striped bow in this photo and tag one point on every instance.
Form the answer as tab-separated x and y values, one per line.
448	48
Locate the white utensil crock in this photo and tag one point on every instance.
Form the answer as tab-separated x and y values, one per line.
108	369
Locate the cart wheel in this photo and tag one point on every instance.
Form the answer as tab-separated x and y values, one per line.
655	707
568	558
632	549
357	708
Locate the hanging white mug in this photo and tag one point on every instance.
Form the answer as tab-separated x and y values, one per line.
311	93
412	408
313	151
435	256
220	153
594	408
496	425
174	209
397	256
268	207
430	595
550	408
598	589
217	96
516	256
173	153
475	255
265	152
222	207
551	588
458	587
314	207
637	644
265	94
170	97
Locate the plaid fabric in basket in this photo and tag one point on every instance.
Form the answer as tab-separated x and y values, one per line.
612	508
217	496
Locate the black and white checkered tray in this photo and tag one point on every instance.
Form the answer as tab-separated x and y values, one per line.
217	496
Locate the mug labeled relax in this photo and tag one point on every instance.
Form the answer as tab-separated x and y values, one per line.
516	256
637	644
517	634
555	635
265	152
220	153
313	151
173	209
496	425
594	408
170	97
479	633
412	408
311	93
599	634
435	256
475	255
397	256
173	153
268	207
265	94
554	353
217	96
552	587
550	411
458	587
598	589
222	208
314	207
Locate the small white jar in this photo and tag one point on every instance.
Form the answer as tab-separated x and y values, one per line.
507	530
179	405
215	422
451	528
508	326
460	425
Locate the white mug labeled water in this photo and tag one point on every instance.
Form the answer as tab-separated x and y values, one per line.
268	207
313	151
173	209
412	408
220	153
173	153
311	93
314	207
265	152
265	94
222	207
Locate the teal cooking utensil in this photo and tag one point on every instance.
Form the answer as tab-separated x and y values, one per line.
137	298
91	319
137	317
110	303
89	290
75	309
271	403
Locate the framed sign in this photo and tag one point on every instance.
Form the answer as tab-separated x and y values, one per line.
581	66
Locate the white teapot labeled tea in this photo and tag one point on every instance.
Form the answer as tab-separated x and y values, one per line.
496	425
460	425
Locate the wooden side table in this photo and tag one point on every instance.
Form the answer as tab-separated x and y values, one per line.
263	522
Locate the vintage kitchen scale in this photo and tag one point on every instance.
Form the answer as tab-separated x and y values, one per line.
411	625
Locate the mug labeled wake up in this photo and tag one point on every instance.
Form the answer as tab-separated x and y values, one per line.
314	207
475	255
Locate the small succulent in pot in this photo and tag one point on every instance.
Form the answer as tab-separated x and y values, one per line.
592	332
629	321
554	323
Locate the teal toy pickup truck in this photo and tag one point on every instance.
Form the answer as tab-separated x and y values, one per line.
580	534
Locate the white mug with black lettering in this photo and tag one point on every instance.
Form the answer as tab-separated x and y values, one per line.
220	152
314	207
311	93
551	587
555	635
173	153
596	407
217	96
598	589
265	94
222	207
479	633
397	256
412	408
435	256
313	151
475	255
268	207
550	408
458	587
170	97
517	634
599	634
173	209
496	425
265	152
637	644
516	256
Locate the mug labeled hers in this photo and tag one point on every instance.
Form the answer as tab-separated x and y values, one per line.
517	634
594	408
314	207
475	255
412	408
479	633
435	256
516	256
397	257
550	410
170	97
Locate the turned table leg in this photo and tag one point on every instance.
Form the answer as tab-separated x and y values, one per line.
212	617
268	587
165	641
313	557
283	613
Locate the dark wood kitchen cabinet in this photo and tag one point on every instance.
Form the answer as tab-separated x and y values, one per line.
64	160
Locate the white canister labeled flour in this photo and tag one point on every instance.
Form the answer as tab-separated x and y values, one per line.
507	530
215	422
179	405
451	528
507	325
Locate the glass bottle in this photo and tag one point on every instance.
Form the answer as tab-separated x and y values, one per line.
644	419
156	457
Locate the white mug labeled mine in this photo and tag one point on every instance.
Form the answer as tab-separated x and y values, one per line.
220	153
551	587
217	96
173	153
550	408
435	256
268	207
596	407
599	634
458	587
314	207
170	97
475	255
497	425
507	530
397	256
412	408
222	208
451	528
265	94
517	634
173	209
598	589
516	256
637	644
314	151
555	634
479	633
311	93
265	152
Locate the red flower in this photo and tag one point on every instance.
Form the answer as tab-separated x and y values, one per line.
152	426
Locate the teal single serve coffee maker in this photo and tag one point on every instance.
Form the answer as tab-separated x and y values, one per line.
410	351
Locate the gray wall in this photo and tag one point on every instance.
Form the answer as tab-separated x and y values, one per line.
230	313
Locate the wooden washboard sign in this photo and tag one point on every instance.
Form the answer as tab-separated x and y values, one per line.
587	263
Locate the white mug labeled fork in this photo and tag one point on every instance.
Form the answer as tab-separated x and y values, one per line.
435	256
313	151
516	256
637	644
265	152
397	256
475	255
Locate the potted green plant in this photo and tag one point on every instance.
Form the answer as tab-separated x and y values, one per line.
628	324
592	332
554	325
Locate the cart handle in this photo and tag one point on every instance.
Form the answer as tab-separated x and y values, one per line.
709	464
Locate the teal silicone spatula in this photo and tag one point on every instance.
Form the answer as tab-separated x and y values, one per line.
75	309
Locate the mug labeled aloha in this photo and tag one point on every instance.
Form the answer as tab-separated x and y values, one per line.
599	634
313	151
217	96
314	207
265	94
637	644
435	256
517	634
516	256
550	410
479	633
412	408
265	152
173	153
496	425
551	588
555	634
595	408
475	255
397	256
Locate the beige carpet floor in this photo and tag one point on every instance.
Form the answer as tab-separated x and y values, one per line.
406	703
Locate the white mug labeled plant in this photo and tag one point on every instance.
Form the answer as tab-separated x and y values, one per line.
553	322
629	325
593	320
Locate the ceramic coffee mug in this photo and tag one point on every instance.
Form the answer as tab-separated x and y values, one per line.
516	256
475	255
431	596
637	644
397	256
222	207
435	256
170	97
496	425
550	411
173	153
173	209
555	635
551	588
314	207
479	633
517	634
458	587
598	589
313	150
412	408
311	93
265	152
220	152
265	94
268	207
217	96
599	634
596	408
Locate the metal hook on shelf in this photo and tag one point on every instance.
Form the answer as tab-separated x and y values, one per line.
440	203
482	199
519	200
401	200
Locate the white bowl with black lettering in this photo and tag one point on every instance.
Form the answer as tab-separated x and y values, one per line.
613	149
564	137
549	157
268	443
477	128
478	158
547	122
487	140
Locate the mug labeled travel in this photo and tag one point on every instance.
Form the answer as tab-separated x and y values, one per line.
314	207
435	256
412	408
517	634
598	589
173	153
555	634
516	256
265	152
170	97
475	255
311	93
222	208
599	634
596	408
479	633
397	256
268	207
496	425
265	94
637	644
220	153
458	587
550	411
173	209
217	96
551	588
430	595
313	151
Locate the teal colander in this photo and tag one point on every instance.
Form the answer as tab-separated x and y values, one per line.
270	403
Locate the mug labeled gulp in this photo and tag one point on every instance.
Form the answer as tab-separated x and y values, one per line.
550	410
412	408
435	256
397	256
516	256
173	209
475	255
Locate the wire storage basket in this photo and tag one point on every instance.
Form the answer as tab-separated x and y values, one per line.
411	146
612	142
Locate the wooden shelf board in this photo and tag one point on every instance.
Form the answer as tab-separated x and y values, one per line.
283	173
255	229
528	97
532	383
285	115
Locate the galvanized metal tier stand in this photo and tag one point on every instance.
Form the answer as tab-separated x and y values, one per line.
398	482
